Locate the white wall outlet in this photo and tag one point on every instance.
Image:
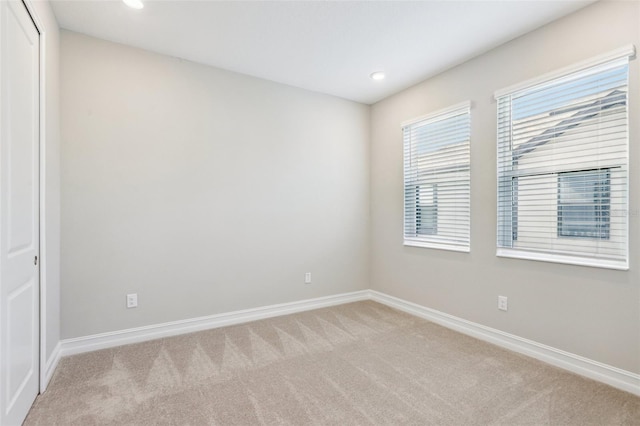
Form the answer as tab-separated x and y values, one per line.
132	300
502	303
307	278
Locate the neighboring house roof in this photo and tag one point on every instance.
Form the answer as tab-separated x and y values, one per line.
615	98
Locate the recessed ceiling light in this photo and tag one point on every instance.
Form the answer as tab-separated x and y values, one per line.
134	4
378	75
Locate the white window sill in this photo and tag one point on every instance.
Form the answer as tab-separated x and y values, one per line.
561	258
439	246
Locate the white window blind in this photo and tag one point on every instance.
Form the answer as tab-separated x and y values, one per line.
436	179
563	168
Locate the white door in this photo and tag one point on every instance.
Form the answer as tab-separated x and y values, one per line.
19	212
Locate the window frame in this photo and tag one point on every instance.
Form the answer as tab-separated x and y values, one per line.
443	114
623	53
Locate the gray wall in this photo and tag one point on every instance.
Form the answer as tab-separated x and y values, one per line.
50	294
587	311
202	190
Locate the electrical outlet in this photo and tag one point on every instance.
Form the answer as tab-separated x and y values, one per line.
132	300
502	303
307	278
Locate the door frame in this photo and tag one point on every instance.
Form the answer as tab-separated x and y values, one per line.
42	199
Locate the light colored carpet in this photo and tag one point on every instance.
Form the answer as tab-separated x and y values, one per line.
356	364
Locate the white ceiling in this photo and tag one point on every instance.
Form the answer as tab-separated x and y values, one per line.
324	46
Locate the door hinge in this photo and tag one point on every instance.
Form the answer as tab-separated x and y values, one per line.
35	260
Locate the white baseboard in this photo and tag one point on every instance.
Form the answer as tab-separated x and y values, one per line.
604	373
140	334
51	365
595	370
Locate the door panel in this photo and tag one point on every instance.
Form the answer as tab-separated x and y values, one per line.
20	336
22	143
19	212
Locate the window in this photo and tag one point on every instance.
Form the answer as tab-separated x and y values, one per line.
436	179
563	166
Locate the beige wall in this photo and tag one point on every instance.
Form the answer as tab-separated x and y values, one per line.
587	311
202	190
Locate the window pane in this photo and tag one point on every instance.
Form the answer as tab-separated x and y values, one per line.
583	204
427	210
